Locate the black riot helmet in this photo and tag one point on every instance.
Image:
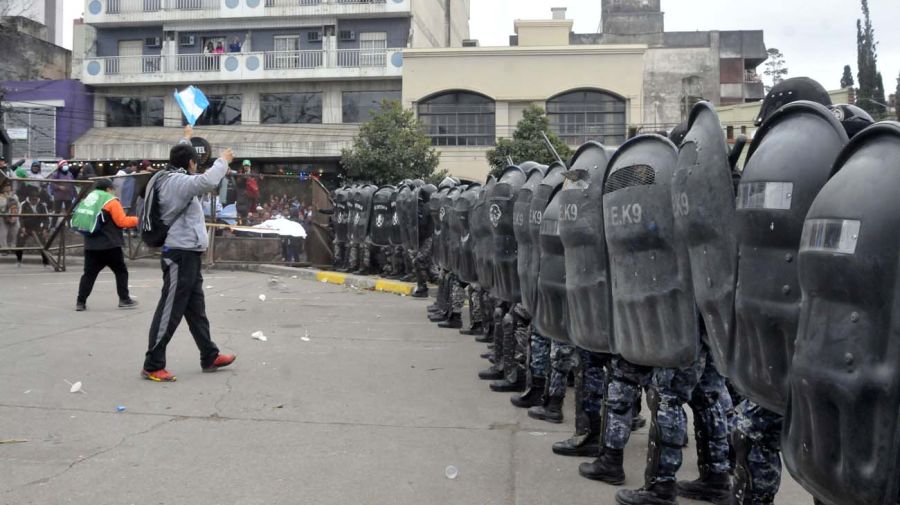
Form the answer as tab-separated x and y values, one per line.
792	90
852	118
448	182
678	133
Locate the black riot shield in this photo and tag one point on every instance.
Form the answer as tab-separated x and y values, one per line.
362	208
551	312
500	214
407	210
437	245
654	316
703	204
396	236
588	292
382	216
442	227
341	215
540	199
528	250
468	271
352	212
841	437
452	230
484	238
789	161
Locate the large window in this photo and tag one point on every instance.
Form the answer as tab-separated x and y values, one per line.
359	106
222	110
289	108
583	115
459	119
135	111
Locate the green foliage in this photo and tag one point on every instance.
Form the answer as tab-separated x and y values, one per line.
847	79
871	87
527	144
776	68
390	147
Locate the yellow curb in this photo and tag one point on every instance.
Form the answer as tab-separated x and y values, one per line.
400	288
331	277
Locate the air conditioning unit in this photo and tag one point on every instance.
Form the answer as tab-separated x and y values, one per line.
348	35
186	40
153	41
314	36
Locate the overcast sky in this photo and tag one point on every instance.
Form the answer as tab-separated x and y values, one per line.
817	37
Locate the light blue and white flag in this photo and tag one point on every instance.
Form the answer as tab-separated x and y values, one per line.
192	102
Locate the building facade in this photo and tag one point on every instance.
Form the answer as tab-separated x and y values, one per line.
44	118
289	81
48	13
28	55
633	77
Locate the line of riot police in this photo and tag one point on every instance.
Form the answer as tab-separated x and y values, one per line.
763	299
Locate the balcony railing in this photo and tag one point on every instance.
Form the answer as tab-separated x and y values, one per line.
149	6
313	64
128	6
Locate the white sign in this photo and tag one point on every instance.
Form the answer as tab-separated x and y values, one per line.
17	133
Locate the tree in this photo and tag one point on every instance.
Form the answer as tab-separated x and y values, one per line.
390	147
847	79
527	144
869	97
897	100
776	68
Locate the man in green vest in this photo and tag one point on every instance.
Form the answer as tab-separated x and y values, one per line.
101	218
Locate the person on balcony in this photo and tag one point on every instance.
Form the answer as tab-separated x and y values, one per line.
235	46
220	49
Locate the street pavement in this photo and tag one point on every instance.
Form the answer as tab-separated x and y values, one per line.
354	398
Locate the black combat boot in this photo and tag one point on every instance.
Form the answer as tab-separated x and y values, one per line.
551	412
607	468
533	396
437	317
711	487
454	321
658	493
476	329
494	373
488	356
410	277
420	292
638	422
586	443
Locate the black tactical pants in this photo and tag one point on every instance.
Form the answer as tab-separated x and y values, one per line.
182	297
94	262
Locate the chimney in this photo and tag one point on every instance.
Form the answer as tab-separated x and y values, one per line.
558	12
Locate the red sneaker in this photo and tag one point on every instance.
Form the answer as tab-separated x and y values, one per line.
221	360
158	376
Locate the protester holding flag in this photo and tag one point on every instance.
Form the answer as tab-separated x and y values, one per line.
173	206
101	218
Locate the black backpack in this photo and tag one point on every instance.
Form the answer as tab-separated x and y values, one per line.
153	230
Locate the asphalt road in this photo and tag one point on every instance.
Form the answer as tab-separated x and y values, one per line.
354	398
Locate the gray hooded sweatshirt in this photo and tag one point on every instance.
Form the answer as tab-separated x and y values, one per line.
179	192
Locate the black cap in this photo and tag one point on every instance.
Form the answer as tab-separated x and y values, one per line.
792	90
103	184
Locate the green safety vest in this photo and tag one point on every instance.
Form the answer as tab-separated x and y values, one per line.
86	217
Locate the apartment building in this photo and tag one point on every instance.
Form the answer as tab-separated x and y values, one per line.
289	81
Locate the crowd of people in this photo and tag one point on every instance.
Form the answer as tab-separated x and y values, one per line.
662	269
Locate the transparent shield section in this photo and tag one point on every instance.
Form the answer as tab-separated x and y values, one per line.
838	236
765	195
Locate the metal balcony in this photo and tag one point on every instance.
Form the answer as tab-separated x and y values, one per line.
136	12
244	67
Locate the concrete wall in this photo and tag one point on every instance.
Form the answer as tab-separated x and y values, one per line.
508	75
431	23
108	39
664	71
26	57
459	21
397	30
543	33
